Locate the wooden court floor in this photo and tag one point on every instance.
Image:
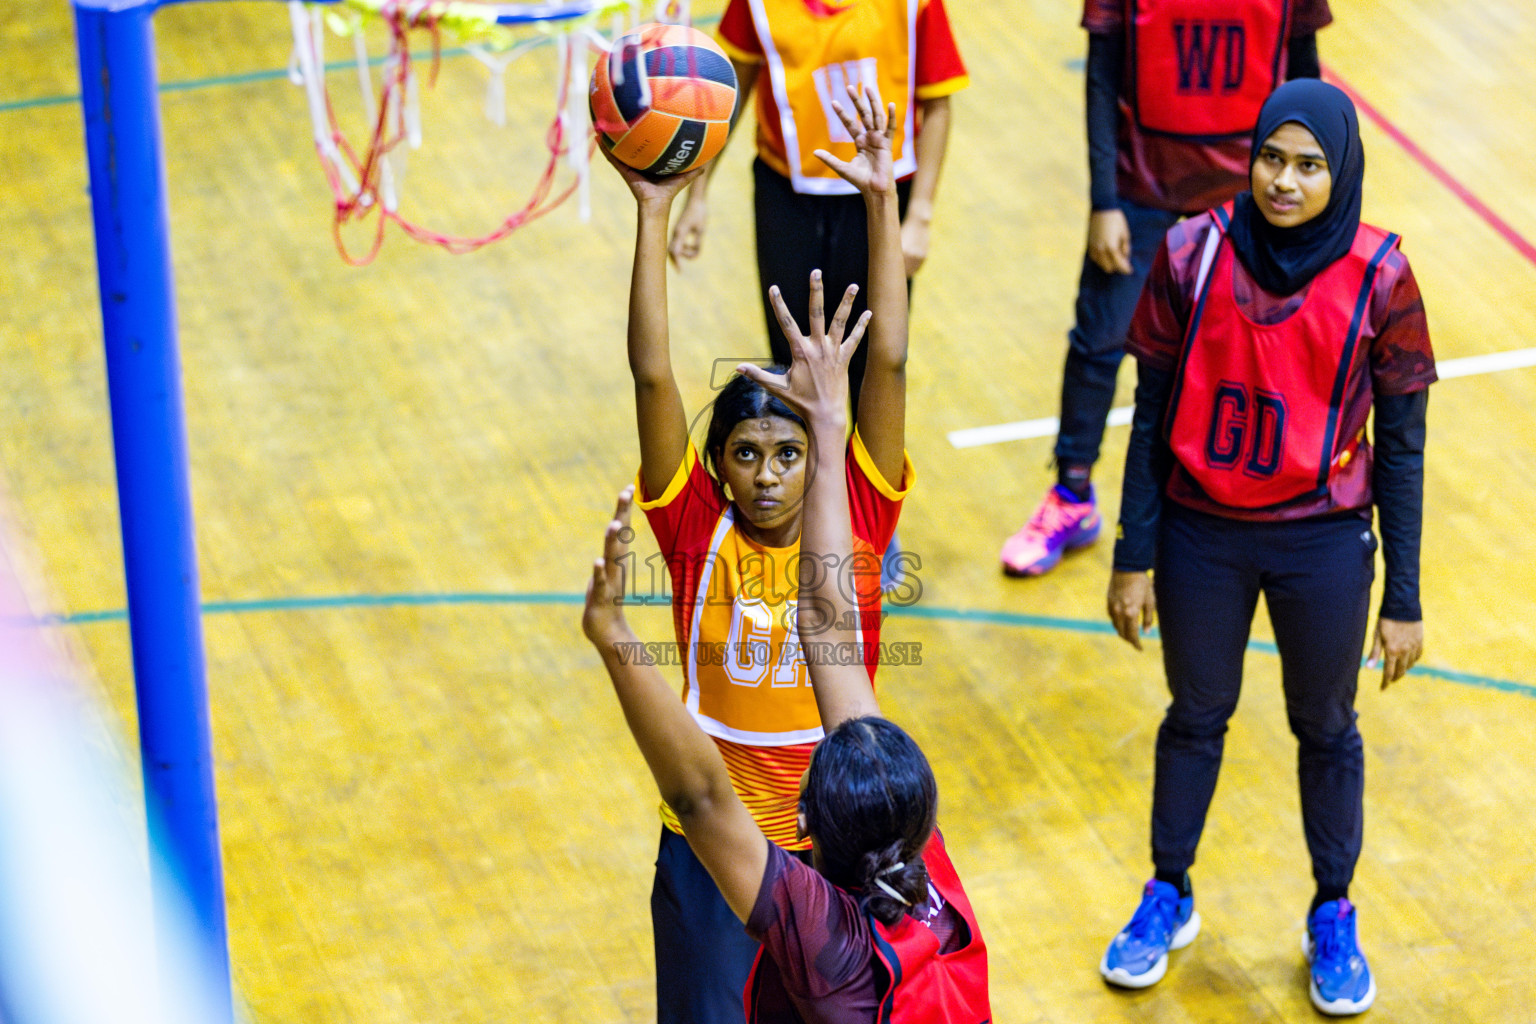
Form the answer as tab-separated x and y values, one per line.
430	808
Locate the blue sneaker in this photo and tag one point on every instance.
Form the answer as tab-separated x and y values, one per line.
1341	979
1138	956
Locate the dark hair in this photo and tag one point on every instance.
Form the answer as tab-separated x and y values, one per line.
742	398
870	803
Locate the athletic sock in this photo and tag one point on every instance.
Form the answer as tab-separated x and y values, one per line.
1326	893
1178	879
1074	476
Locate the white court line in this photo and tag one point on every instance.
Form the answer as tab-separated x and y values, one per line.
1491	363
974	437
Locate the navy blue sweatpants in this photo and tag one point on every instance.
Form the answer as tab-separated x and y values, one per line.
1096	343
703	952
1315	575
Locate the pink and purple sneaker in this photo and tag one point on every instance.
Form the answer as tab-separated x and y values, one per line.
1062	523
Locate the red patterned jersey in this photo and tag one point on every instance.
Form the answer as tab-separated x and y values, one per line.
927	982
824	961
1255	411
1381	324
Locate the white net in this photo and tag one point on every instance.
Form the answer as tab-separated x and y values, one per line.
366	169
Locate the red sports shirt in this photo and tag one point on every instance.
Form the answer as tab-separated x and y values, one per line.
1392	355
1254	416
819	957
1158	168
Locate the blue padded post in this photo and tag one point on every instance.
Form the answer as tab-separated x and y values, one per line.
133	258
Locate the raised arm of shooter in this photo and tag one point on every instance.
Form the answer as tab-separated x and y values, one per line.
816	386
883	398
659	415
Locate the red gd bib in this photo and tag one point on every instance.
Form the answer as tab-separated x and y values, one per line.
1202	70
1254	414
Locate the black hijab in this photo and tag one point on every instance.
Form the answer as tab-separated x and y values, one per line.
1283	260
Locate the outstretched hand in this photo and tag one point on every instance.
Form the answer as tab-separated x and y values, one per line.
872	125
651	189
603	618
816	384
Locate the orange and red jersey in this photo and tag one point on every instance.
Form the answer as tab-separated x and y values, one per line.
812	49
1260	376
1196	73
734	605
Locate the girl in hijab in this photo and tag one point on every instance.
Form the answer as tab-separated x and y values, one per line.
1268	331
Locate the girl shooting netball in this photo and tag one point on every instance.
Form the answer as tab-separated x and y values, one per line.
881	929
728	521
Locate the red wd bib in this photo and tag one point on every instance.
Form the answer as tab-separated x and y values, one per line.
1254	414
1202	70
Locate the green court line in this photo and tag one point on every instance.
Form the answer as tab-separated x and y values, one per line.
245	78
1017	620
248	77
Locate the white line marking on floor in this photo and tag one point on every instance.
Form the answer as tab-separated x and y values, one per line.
1023	430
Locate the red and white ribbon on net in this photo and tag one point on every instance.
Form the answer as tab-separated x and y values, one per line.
367	181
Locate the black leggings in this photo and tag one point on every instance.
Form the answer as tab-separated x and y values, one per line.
1096	343
1315	576
703	953
797	234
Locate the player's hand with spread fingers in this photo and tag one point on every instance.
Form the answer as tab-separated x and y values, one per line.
602	620
872	126
1397	647
1132	605
816	384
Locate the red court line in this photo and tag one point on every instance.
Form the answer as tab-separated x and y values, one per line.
1439	173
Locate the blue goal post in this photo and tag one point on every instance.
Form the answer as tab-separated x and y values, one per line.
119	96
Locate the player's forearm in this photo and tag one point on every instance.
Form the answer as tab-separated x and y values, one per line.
882	402
931	147
688	770
1141	490
1398	483
1302	60
1106	65
650	357
887	298
826	612
659	417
